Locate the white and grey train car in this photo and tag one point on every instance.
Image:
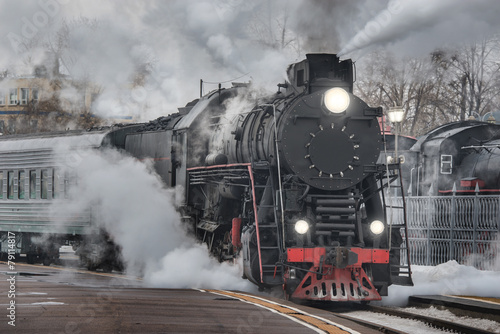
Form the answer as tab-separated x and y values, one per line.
36	173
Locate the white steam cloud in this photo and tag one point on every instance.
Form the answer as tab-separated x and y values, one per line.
418	27
138	212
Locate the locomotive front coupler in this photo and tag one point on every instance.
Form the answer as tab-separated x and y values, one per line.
340	257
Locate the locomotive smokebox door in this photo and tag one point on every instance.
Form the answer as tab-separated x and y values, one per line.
329	154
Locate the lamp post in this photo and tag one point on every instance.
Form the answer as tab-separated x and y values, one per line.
396	116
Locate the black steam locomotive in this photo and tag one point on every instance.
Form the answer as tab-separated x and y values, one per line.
457	158
290	182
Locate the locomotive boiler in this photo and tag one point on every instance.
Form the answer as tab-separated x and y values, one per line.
289	181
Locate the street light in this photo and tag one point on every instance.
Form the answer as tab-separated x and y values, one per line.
396	115
490	119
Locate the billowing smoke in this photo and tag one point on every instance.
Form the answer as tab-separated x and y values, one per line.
138	212
145	58
418	27
323	24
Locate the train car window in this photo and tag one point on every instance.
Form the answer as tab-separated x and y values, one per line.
33	184
20	189
10	185
1	184
56	184
44	183
67	177
446	164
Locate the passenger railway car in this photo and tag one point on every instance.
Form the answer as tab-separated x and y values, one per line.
35	177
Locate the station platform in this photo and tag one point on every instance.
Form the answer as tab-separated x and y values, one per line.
62	300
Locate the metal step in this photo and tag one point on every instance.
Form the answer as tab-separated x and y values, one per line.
332	226
337	210
402	280
333	218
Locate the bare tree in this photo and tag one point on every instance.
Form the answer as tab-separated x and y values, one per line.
476	77
449	85
403	82
270	27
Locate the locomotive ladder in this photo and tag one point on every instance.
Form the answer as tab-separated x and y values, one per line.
268	228
400	272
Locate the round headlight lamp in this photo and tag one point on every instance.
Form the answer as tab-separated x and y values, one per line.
336	100
301	226
377	227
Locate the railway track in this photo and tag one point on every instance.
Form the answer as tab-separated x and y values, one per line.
437	323
397	320
369	324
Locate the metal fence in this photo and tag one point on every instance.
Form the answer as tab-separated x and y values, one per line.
443	228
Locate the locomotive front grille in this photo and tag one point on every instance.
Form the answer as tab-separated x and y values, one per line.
335	220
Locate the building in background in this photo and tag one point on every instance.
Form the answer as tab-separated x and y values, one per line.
45	103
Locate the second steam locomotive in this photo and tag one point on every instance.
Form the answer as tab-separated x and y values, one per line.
290	182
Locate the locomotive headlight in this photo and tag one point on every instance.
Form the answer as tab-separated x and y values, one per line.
301	226
377	227
336	100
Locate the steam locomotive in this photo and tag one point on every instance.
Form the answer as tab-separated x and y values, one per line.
289	181
460	158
